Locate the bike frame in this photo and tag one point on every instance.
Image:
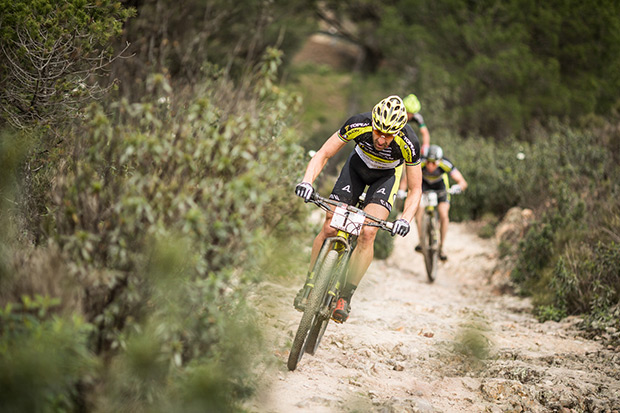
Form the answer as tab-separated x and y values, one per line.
330	270
342	244
430	229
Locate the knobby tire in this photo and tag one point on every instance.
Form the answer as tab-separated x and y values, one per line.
429	246
317	331
311	319
315	336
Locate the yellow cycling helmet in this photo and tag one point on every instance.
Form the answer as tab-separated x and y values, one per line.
412	104
389	116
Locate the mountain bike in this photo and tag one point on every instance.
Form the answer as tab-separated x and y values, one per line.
330	271
430	232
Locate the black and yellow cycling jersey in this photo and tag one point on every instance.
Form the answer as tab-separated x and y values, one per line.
440	174
439	178
405	148
380	171
417	118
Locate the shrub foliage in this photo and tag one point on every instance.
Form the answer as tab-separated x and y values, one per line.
51	52
569	177
156	208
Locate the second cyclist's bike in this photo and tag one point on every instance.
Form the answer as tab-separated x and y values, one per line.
330	274
430	231
429	236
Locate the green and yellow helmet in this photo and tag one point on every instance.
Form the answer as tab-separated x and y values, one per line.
412	104
389	116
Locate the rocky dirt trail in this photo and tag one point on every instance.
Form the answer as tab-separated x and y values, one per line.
452	346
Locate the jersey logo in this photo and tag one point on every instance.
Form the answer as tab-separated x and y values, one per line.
381	191
347	188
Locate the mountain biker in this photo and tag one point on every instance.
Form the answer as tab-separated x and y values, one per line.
436	171
413	106
384	142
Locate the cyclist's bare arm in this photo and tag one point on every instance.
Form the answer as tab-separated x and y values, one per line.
426	138
318	161
458	177
403	182
414	191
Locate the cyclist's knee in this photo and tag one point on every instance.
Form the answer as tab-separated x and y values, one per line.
367	235
328	231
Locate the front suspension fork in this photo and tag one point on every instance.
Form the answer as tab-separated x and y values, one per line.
340	244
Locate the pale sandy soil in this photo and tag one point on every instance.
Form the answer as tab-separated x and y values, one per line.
405	344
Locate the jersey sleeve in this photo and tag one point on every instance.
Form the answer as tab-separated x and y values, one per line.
419	119
447	166
353	127
412	155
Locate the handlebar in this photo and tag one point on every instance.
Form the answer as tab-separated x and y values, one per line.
441	192
325	203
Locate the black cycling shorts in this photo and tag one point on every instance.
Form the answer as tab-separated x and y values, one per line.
355	176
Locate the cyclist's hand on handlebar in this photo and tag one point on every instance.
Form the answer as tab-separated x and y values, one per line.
455	189
401	227
304	190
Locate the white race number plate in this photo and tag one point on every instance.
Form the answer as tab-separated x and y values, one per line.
349	222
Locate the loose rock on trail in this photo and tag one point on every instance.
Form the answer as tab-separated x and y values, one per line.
456	345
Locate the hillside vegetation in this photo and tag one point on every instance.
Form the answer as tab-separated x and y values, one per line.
157	216
148	153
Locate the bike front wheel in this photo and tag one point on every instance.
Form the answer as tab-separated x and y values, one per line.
429	245
329	301
313	323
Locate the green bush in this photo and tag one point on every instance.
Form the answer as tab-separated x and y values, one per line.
569	177
525	174
568	259
158	212
44	358
73	38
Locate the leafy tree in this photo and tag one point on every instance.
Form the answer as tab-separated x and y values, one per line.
497	67
51	52
233	36
519	62
358	21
